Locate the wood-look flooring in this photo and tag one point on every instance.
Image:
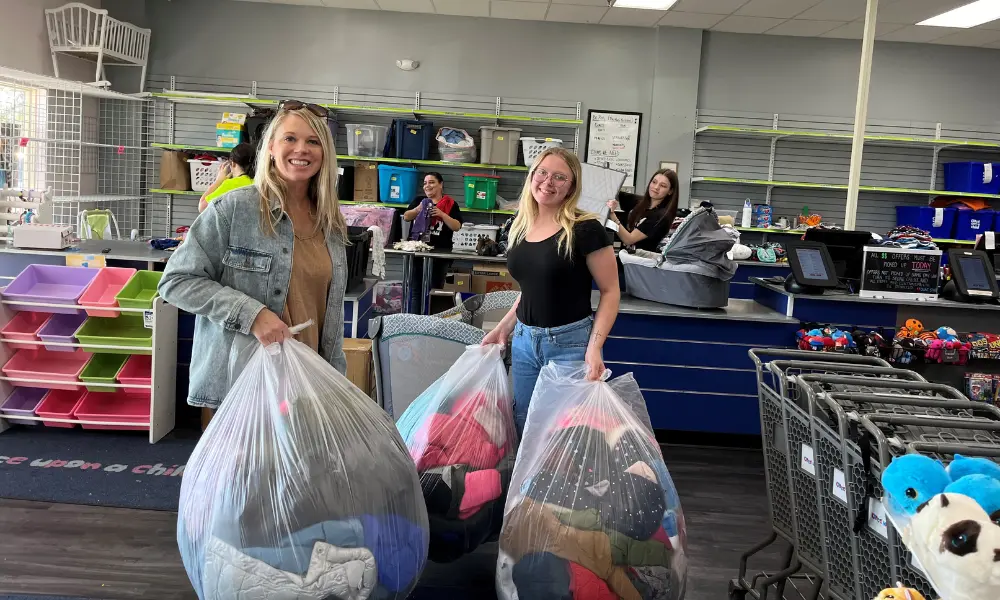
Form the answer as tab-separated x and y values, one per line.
109	553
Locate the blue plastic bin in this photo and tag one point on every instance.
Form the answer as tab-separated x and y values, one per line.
967	177
413	139
922	217
973	222
397	185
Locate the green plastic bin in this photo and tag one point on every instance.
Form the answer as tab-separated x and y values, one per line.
102	368
126	330
140	291
481	191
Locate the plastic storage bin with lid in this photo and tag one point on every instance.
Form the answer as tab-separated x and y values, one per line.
397	185
970	223
481	191
365	140
940	222
972	177
500	145
413	138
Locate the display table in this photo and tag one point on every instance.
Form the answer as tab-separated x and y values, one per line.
122	253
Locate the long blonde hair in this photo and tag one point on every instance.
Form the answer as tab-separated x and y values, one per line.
568	214
322	187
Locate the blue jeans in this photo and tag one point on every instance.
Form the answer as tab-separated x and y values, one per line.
533	347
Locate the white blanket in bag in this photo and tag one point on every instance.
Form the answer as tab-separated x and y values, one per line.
343	573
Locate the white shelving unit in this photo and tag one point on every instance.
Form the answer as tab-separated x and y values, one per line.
163	386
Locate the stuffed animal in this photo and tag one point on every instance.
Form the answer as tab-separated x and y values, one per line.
911	480
947	334
900	593
965	465
983	489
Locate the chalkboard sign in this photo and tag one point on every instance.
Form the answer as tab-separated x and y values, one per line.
900	274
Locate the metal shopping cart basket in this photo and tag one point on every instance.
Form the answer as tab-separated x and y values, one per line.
785	422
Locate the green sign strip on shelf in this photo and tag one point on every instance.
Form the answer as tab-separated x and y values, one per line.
845	136
464	209
836	186
183	147
175	192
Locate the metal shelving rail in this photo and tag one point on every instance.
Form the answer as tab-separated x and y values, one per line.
830	423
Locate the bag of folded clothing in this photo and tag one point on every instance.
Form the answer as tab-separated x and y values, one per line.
461	436
301	487
592	512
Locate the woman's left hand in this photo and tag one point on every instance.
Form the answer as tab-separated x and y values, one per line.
595	364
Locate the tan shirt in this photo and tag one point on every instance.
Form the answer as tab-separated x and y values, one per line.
312	273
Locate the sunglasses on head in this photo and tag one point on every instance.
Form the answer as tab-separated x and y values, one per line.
315	109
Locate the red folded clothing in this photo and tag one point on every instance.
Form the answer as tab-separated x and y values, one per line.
456	440
585	585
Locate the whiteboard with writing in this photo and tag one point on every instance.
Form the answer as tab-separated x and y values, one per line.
613	139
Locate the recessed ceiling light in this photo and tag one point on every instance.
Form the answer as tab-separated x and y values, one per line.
650	4
967	16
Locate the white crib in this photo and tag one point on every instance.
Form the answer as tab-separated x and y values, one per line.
89	33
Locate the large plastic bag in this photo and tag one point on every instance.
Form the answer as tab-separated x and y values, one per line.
456	145
300	488
461	435
592	510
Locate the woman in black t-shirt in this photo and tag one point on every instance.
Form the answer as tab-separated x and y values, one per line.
444	218
650	221
556	253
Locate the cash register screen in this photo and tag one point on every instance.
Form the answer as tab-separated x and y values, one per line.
975	273
811	261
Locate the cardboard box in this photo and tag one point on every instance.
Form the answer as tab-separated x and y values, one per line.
360	366
365	181
458	282
492	277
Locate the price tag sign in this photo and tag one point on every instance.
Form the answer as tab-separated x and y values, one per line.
839	486
147	319
121	150
808	460
92	261
900	273
878	521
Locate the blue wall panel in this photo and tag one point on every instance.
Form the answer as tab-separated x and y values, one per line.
727	414
669	352
845	313
689	379
753	333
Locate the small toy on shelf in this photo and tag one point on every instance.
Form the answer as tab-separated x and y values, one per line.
826	339
899	593
981	387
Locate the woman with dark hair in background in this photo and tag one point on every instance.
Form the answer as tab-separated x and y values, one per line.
443	218
650	221
236	173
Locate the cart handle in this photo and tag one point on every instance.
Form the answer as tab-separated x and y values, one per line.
929	421
945	448
811	355
774	365
920	386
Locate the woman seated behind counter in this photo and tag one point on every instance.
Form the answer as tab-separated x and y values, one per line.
650	221
236	173
445	219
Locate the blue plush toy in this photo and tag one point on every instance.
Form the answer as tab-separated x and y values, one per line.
912	479
983	489
964	465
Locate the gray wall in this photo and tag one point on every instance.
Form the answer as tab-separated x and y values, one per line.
24	40
818	76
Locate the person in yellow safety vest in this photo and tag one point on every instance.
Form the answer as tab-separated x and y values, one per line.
236	172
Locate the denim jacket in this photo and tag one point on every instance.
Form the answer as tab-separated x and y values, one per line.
226	272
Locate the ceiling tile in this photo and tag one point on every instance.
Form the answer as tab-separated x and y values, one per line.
465	8
804	28
417	6
917	33
969	37
778	9
366	4
836	10
603	3
299	2
856	30
524	11
712	7
738	24
690	20
633	17
990	25
911	12
568	13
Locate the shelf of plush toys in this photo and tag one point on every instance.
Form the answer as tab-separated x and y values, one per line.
910	345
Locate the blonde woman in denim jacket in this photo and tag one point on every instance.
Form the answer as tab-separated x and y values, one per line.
265	257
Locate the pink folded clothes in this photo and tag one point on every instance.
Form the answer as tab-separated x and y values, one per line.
480	487
589	417
456	440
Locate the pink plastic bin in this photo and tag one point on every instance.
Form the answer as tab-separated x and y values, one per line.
116	407
59	404
60	330
24	327
22	402
47	366
104	288
138	370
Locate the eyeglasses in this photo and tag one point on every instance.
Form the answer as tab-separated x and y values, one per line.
540	175
315	109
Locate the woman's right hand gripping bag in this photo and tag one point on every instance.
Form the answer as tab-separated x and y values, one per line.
592	512
461	435
300	489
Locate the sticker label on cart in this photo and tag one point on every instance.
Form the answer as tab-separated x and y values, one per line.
839	485
877	519
808	460
147	319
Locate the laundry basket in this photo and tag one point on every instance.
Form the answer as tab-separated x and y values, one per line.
203	173
532	147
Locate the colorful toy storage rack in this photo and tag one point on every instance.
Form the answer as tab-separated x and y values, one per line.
69	363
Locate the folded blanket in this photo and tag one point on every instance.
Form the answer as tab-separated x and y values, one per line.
295	553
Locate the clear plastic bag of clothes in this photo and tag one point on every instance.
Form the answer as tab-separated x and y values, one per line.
461	435
300	488
592	512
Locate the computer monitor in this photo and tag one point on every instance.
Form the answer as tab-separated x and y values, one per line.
972	275
811	265
846	249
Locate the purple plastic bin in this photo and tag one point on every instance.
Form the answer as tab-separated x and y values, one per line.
22	402
60	330
49	284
